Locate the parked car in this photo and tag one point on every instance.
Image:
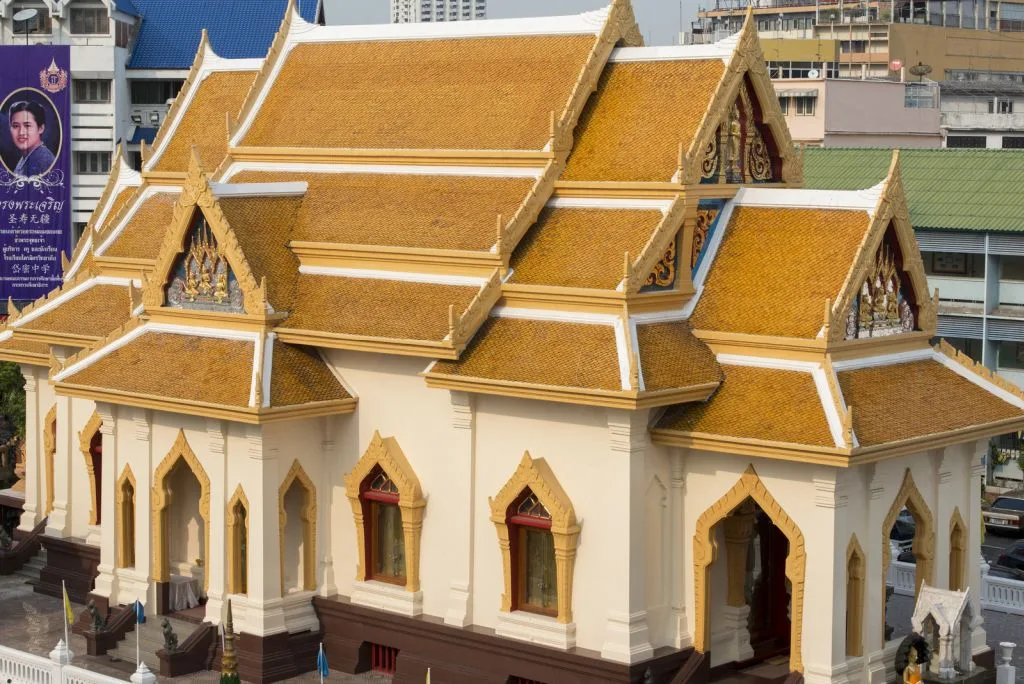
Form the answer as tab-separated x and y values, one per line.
1011	561
1006	513
901	535
907	557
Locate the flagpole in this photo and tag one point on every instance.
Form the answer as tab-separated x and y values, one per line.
67	641
138	628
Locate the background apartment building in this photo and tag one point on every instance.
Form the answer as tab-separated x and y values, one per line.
129	59
405	11
984	113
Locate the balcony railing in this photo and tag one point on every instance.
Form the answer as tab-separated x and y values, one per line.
981	121
958	290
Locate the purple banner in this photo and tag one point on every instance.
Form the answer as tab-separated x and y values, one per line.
35	164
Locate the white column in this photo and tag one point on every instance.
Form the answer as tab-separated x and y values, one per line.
264	580
626	634
459	553
143	458
34	461
683	638
874	583
972	518
945	500
106	581
59	522
325	506
216	444
824	631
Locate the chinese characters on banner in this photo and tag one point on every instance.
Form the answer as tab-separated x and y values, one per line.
35	160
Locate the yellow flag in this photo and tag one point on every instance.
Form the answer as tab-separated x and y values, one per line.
428	675
68	613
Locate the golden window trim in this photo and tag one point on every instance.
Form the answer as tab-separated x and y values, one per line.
855	612
565	530
297	474
386	453
924	536
180	450
49	454
705	552
92	426
127	477
957	525
233	573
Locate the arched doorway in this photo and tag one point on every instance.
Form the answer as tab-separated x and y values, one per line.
238	543
916	545
91	445
181	523
753	526
49	451
297	518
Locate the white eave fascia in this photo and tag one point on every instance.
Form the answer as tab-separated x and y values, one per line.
852	200
767	362
301	31
555	316
883	360
67	295
285	189
674	53
977	379
139	201
661	205
622	352
169	328
403	276
397	169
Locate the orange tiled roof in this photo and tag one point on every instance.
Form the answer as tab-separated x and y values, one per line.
671	357
92	313
758	403
144	233
401	210
422	94
633	125
18	349
371	307
204	123
897	402
775	269
581	247
555	354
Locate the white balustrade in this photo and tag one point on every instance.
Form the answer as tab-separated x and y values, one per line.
902	577
1002	594
19	667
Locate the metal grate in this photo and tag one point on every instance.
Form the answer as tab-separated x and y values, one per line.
960	326
939	241
383	658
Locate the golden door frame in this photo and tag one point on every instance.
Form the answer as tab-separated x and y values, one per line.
92	426
233	574
856	574
705	551
957	551
565	530
49	454
296	473
180	451
386	453
127	478
924	536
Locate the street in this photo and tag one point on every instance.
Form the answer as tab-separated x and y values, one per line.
994	544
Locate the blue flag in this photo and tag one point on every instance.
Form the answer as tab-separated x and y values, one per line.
321	662
140	613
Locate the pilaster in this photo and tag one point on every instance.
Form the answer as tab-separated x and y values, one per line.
325	508
216	445
34	495
824	636
679	626
106	581
59	522
946	463
459	554
626	635
972	518
874	589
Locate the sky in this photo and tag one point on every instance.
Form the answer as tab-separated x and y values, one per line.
658	19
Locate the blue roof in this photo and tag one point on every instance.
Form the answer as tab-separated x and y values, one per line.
142	133
238	29
126	7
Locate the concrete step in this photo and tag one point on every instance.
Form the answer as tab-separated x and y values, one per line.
151	640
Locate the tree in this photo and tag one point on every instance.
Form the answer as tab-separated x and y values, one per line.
12	419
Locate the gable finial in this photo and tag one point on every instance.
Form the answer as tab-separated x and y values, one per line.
143	152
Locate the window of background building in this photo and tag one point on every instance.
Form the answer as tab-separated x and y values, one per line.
92	162
1013	142
1011	355
76	232
90	20
41	25
123	34
1011	268
805	106
970	347
955	264
784	105
965	141
1000	106
153	92
91	90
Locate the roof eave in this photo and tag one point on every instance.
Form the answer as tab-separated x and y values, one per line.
743	446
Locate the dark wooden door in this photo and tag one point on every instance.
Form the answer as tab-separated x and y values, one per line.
769	610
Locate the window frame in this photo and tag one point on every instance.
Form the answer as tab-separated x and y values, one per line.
97	11
519	526
372	500
100	86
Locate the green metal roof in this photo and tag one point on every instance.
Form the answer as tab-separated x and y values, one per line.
977	190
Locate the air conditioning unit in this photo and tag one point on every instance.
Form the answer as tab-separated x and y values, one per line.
813	73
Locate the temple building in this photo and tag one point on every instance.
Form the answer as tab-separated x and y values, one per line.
511	349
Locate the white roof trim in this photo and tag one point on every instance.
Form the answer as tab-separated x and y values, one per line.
268	367
119	228
721	226
649	317
301	31
68	295
284	189
86	246
398	169
835	423
855	200
404	276
555	316
767	362
608	203
622	352
257	356
211	62
883	360
216	333
978	380
641	385
127	177
722	50
6	335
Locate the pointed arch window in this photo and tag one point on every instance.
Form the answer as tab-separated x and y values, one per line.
854	598
125	497
383	533
534	585
238	543
957	552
